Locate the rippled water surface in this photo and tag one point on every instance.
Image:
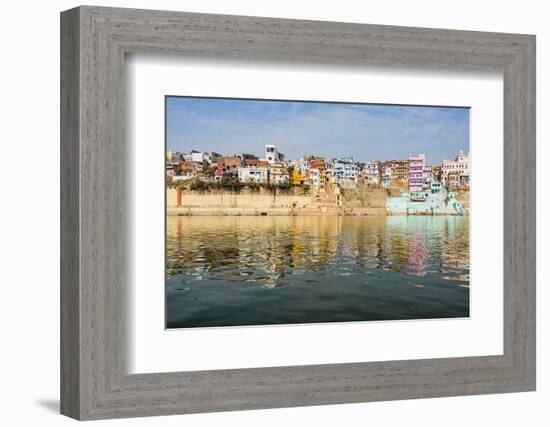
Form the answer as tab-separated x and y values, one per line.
224	271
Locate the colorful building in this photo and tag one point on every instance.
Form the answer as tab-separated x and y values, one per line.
412	176
345	172
416	169
317	173
228	166
189	169
400	170
297	178
456	172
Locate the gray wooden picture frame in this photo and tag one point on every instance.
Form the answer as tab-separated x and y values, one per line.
94	381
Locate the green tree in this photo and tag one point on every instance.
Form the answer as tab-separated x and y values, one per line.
230	183
200	185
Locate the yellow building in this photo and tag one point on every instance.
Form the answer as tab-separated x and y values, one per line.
297	178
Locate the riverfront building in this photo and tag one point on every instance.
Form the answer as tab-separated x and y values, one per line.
253	174
400	170
317	173
416	170
386	174
315	179
228	166
456	173
427	177
372	172
277	174
272	155
345	172
321	174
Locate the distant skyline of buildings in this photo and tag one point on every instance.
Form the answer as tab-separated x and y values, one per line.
319	173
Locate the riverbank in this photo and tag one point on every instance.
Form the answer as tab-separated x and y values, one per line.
273	211
360	201
197	211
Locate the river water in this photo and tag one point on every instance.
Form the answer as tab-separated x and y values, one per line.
250	270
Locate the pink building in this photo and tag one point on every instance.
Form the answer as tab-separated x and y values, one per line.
416	168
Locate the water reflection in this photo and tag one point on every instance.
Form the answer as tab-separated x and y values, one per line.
220	270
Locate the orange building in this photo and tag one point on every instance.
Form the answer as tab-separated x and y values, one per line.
229	164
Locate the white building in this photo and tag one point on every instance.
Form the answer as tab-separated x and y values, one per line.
182	177
197	156
427	177
386	174
329	168
345	172
315	178
372	172
272	155
253	174
300	166
278	174
460	167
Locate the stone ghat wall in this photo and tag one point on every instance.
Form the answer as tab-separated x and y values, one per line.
243	200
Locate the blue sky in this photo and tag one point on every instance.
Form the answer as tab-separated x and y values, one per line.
363	131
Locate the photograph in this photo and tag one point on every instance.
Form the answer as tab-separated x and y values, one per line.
299	212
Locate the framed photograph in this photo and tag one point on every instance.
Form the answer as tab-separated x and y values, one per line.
267	235
262	213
